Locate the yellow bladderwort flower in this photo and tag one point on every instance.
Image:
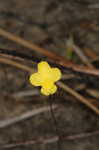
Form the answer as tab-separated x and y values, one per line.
46	78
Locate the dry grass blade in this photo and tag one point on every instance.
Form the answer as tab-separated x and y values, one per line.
70	44
16	64
92	92
25	93
48	140
82	56
90	53
28	44
54	57
79	97
25	115
11	57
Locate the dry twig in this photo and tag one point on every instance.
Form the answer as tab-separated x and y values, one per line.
54	57
49	140
79	97
16	64
24	116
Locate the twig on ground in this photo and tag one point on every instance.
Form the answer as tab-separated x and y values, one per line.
68	76
16	64
79	97
26	115
82	56
54	57
92	92
25	93
50	140
27	44
70	45
90	53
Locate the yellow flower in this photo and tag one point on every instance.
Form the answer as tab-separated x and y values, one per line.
46	77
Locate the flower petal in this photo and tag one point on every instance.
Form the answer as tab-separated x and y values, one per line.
56	74
53	89
48	91
43	68
35	79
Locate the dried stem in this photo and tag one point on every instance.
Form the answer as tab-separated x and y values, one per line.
16	64
24	116
54	57
50	140
79	97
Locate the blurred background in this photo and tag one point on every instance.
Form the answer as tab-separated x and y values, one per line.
54	25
